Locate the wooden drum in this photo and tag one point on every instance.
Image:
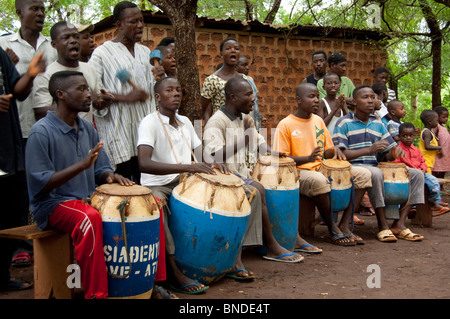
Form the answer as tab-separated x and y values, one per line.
279	176
209	219
130	216
396	187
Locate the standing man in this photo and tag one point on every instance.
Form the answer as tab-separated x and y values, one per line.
12	162
118	124
21	47
319	62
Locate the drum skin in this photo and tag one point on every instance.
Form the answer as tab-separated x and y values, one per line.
209	216
279	176
396	187
142	231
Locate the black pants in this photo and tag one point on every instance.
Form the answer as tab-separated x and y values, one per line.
130	170
13	212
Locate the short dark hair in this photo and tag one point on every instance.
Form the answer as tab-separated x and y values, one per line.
380	70
232	84
440	109
166	41
426	115
60	81
319	52
225	41
120	7
357	89
54	31
161	81
379	87
336	58
390	106
405	126
328	74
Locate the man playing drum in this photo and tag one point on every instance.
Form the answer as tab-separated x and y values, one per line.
225	142
65	161
363	139
166	142
304	137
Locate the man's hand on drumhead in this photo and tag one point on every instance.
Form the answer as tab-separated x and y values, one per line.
221	167
338	154
117	178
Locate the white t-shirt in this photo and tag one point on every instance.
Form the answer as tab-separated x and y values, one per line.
151	133
41	94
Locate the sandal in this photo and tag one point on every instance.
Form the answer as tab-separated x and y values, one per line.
386	236
407	234
240	274
366	211
21	260
442	211
357	239
161	293
337	240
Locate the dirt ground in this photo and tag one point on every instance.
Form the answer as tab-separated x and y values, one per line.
409	270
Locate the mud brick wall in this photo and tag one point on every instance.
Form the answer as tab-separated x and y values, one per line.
278	64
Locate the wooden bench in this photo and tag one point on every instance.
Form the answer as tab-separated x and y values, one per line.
424	215
52	253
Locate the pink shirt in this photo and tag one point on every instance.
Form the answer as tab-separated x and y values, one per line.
442	164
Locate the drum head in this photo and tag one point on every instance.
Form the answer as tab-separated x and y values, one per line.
391	165
119	190
222	179
270	160
336	163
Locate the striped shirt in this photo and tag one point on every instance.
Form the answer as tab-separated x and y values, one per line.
118	125
350	133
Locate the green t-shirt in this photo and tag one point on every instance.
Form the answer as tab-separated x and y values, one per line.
347	87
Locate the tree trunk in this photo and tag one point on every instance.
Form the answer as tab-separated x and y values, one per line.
271	15
182	15
436	49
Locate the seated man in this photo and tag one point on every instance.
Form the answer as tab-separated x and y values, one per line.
163	157
234	115
304	137
362	137
65	161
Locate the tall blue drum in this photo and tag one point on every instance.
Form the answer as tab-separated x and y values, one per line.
339	174
396	187
208	221
130	218
279	176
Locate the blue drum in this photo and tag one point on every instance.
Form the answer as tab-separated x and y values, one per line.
131	226
338	172
209	218
396	187
279	176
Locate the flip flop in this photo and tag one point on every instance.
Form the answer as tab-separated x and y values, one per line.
335	240
366	211
231	274
16	284
386	236
442	211
21	260
302	249
357	239
161	293
407	234
181	288
278	258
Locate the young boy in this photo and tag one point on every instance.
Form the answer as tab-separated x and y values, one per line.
361	137
442	164
304	137
381	111
396	111
415	159
65	162
332	107
428	143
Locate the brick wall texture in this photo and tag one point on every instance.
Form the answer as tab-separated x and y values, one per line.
278	64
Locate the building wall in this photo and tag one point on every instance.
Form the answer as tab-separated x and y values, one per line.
278	64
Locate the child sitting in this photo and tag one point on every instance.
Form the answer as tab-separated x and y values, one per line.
441	165
415	159
429	144
397	111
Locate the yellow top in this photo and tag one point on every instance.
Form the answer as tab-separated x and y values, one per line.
429	155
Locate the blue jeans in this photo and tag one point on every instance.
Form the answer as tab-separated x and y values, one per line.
434	189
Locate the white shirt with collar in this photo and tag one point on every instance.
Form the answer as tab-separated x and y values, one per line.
183	140
26	52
